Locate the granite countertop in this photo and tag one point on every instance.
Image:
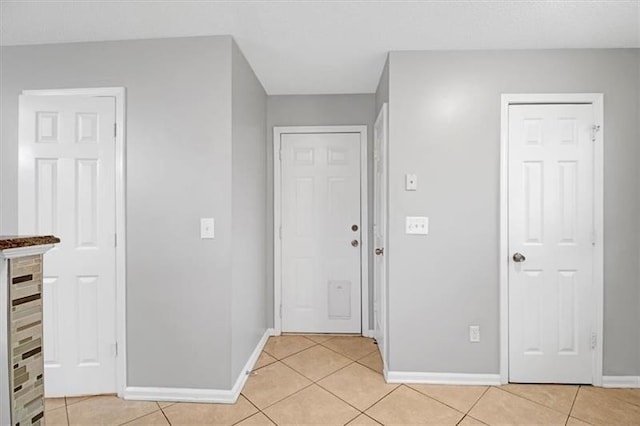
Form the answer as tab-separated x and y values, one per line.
10	242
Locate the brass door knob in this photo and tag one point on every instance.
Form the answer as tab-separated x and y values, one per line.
379	251
355	243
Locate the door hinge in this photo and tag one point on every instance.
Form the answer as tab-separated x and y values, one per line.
114	349
593	238
594	129
115	130
594	340
281	310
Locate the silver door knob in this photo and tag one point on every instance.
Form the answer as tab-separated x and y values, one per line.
355	243
519	258
379	251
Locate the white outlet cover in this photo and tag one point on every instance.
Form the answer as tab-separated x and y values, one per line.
417	225
207	228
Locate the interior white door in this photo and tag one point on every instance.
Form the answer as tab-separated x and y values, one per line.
320	208
551	231
67	188
380	230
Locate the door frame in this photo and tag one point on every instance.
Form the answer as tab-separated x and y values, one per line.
595	99
119	94
383	117
278	131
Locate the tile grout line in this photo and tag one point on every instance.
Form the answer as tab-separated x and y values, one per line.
144	415
617	397
345	355
369	417
386	395
572	404
360	413
531	400
323	377
260	368
436	400
66	410
165	414
370	368
268	418
281	399
352	361
259	411
575	417
320	386
442	402
473	405
351	405
250	415
316	382
292	353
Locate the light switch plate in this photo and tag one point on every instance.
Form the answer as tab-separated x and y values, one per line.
474	333
417	225
207	228
411	182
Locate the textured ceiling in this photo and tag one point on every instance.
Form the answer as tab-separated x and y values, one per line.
330	46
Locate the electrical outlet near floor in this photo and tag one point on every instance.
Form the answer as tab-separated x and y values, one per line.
474	333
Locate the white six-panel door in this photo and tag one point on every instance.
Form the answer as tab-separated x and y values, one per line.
551	246
380	229
320	209
67	188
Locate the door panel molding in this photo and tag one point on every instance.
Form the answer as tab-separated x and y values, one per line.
119	94
596	100
278	131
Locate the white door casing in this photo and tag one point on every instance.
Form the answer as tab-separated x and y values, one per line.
67	188
552	221
380	141
333	188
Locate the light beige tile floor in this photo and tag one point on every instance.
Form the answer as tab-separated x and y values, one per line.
337	380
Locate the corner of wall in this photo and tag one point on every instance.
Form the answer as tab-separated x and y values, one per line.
248	204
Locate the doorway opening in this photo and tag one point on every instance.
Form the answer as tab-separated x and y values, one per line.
72	184
320	230
551	245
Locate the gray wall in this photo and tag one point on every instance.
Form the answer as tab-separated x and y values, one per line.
445	126
178	170
249	214
382	92
315	110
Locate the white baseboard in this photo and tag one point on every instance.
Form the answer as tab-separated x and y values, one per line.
368	333
621	381
218	396
244	373
442	378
